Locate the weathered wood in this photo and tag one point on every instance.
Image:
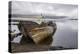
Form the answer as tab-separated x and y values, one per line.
26	27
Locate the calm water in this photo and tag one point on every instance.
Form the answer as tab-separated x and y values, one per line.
66	34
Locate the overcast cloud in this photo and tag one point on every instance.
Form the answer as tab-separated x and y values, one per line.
30	8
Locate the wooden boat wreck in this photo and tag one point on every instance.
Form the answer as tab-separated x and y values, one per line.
37	33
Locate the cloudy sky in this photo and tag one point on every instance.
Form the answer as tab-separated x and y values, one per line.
47	9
